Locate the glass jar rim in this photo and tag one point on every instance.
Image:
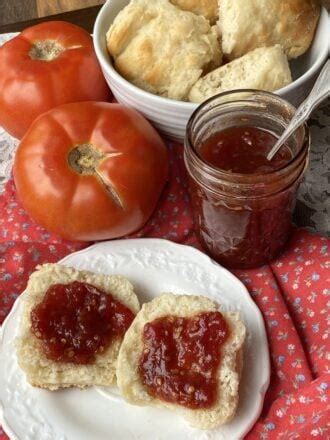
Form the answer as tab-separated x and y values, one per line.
240	176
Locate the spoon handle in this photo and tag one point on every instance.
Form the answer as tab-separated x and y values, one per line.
320	91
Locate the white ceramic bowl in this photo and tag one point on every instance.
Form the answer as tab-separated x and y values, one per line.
171	117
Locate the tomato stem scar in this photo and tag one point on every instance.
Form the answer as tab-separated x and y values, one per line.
46	50
84	159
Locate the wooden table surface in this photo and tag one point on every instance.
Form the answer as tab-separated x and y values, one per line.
82	17
15	11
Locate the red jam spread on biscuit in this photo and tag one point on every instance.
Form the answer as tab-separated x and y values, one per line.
76	321
181	357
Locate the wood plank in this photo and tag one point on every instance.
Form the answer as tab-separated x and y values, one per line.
12	11
82	17
51	7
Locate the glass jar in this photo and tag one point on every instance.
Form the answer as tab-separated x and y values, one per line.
243	220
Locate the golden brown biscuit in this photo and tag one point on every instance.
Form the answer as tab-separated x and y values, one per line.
265	68
207	8
162	49
248	24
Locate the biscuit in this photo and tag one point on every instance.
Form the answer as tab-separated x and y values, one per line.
207	8
45	373
162	49
128	378
248	24
264	68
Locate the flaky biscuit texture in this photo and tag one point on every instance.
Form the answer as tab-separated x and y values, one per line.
206	8
264	68
162	49
248	24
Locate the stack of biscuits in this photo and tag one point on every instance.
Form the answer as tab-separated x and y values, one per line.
190	50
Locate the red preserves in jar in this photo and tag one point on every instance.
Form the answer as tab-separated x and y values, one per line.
242	203
243	150
181	358
76	321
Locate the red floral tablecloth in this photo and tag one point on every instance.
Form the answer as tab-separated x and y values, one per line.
292	293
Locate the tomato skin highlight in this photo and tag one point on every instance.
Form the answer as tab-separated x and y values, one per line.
30	86
116	199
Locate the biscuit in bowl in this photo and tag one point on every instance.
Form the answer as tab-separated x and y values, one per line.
265	68
40	370
206	8
227	374
248	24
162	49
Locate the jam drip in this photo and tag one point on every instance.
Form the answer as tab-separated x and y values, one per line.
76	321
181	357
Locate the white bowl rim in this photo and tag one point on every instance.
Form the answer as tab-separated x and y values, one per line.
189	105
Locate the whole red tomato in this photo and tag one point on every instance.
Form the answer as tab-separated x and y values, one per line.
90	170
44	66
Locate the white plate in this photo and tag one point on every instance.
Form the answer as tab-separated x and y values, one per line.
153	266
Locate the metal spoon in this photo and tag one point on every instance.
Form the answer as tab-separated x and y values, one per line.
320	91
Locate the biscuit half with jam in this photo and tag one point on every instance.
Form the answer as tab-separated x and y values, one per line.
72	325
183	354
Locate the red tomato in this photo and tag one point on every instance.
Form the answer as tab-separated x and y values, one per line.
44	66
90	170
